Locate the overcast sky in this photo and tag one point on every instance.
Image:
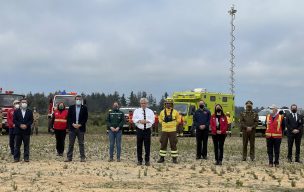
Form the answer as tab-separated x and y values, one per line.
154	45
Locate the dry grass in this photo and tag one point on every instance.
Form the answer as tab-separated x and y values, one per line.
46	172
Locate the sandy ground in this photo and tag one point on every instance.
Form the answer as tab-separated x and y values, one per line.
46	172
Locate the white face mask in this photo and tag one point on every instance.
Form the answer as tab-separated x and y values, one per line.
24	105
17	106
78	102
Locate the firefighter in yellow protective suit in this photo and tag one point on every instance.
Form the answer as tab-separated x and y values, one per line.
169	118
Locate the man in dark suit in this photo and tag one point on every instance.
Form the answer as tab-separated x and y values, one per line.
294	123
23	120
77	119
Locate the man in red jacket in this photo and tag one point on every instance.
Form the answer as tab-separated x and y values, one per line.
11	126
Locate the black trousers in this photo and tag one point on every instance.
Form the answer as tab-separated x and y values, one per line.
201	143
143	138
218	142
294	138
60	140
12	140
26	143
273	147
72	138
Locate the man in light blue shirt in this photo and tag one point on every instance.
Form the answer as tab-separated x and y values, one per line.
77	113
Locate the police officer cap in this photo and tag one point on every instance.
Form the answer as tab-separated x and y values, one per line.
249	102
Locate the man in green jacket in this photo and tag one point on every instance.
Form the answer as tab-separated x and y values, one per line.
115	122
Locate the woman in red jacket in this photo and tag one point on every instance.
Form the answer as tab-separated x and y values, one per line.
60	125
219	127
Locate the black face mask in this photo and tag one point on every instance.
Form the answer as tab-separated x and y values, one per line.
202	106
249	107
294	110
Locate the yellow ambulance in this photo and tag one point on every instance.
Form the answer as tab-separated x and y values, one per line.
187	103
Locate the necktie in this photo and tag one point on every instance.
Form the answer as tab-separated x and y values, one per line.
295	116
145	126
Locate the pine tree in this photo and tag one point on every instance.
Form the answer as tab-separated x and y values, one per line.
123	101
133	100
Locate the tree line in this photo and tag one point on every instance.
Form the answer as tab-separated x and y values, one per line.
99	102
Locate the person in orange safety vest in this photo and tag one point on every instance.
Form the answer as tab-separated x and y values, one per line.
274	132
59	122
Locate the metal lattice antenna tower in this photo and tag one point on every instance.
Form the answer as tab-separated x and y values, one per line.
232	12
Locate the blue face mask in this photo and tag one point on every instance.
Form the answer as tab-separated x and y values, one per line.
78	102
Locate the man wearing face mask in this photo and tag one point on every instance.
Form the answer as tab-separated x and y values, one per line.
77	119
23	120
294	124
274	132
59	122
11	125
115	122
169	119
201	122
249	121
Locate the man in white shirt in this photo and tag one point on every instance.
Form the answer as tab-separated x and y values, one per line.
143	118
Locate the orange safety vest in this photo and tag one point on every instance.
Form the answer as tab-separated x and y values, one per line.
274	126
156	120
60	121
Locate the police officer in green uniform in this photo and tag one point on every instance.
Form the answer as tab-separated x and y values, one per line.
115	122
249	121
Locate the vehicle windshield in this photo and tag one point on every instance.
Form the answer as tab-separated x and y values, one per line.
181	108
7	100
67	100
264	112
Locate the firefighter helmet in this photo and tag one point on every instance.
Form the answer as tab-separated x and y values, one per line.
168	100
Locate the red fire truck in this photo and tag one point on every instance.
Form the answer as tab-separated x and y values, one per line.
6	103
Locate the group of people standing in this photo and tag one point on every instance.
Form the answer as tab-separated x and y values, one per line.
275	123
169	119
144	120
275	126
204	123
20	120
